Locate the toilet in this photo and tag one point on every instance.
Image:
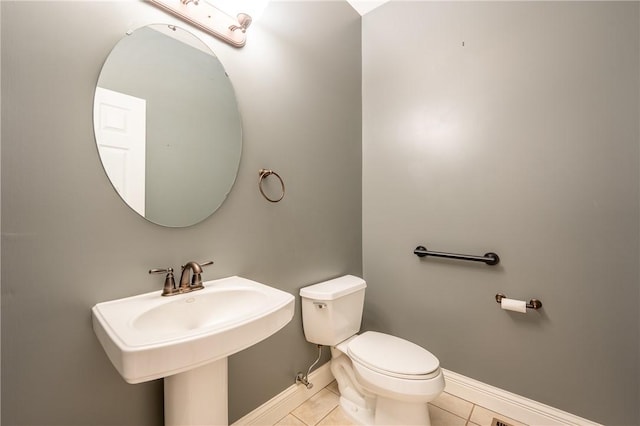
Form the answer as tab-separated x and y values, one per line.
383	379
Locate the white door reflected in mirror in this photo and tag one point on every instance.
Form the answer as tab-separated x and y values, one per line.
120	122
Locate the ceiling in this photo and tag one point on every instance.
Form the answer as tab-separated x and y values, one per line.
365	6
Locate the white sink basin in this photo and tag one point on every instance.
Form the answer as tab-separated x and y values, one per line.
148	336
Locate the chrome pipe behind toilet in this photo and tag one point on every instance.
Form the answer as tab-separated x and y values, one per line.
304	378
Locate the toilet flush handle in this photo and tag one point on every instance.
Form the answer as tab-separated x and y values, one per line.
320	305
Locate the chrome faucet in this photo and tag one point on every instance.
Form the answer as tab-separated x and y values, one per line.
190	268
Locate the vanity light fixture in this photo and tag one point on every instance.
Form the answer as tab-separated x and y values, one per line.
218	19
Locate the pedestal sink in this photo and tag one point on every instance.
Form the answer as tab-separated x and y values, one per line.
187	338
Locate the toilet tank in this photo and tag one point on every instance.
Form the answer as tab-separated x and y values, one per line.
332	310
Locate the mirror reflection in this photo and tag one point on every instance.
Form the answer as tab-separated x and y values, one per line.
167	125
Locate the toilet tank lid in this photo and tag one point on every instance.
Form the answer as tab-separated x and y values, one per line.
333	289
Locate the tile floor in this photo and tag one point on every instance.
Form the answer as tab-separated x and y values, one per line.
322	409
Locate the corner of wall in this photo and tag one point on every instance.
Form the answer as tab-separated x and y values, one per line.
0	206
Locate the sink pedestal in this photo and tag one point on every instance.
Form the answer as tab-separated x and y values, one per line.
197	396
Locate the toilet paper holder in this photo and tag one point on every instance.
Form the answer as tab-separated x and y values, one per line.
533	303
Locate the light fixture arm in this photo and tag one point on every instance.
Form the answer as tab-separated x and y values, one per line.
244	21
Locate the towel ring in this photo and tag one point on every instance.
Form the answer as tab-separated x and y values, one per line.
262	174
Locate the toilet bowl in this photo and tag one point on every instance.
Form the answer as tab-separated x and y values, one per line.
383	379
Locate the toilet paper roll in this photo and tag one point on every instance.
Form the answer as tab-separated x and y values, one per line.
513	305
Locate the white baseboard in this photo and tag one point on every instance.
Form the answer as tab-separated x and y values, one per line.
509	404
506	403
278	407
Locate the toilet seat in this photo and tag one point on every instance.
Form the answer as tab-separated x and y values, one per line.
393	356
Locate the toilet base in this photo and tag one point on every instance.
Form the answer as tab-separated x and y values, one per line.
356	413
394	412
388	412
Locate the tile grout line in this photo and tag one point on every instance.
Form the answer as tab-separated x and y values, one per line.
443	409
298	418
473	407
468	419
332	410
291	413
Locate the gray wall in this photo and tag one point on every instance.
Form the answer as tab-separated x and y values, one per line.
0	211
70	242
523	141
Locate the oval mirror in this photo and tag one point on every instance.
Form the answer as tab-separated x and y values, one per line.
167	125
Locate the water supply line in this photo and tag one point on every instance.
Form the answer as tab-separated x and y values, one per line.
304	378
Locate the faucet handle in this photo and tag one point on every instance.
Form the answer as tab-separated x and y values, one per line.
196	278
169	281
